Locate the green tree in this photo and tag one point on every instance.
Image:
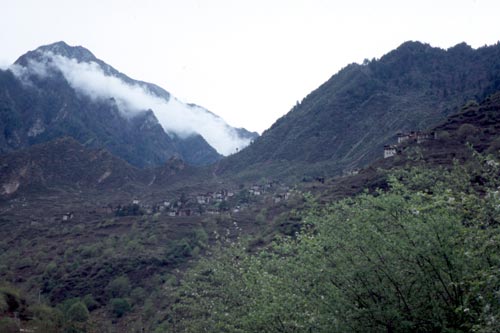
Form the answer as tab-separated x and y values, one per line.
90	302
47	319
119	287
422	256
119	306
261	217
138	295
178	251
78	312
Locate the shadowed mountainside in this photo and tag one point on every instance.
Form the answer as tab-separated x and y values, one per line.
38	104
343	124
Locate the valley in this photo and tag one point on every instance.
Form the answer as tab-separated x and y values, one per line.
308	228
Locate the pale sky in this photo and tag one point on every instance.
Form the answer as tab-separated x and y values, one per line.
247	61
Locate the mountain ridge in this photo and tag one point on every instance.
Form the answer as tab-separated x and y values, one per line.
39	102
343	123
81	54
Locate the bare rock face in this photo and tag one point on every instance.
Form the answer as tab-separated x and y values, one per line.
10	187
104	176
37	128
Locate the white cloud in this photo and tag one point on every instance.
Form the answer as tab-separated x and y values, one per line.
174	115
4	64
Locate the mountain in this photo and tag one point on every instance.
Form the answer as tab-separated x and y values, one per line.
344	123
476	126
59	90
64	164
66	168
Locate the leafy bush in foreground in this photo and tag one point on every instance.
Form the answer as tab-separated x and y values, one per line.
421	257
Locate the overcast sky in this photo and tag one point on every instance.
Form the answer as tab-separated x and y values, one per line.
247	61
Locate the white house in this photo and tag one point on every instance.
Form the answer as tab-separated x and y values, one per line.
389	151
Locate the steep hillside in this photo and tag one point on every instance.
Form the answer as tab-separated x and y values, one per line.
344	123
475	128
66	168
193	150
64	164
35	115
59	90
477	124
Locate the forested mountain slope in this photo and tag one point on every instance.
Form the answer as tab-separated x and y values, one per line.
347	120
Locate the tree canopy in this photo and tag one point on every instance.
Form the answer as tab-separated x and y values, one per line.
420	257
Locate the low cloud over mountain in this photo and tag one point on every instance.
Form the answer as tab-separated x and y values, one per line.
91	79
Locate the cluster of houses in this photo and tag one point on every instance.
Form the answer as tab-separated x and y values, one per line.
211	197
278	197
413	136
209	203
416	136
278	192
351	172
176	209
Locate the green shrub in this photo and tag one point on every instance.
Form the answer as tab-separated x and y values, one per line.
51	267
90	302
148	309
129	210
119	306
10	299
260	218
47	319
78	312
119	287
199	237
138	295
178	251
422	256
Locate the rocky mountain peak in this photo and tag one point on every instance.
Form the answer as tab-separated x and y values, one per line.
78	53
74	52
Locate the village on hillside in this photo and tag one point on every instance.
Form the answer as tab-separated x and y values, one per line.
220	201
413	136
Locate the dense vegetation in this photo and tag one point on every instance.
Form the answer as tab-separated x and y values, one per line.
420	257
51	278
116	262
